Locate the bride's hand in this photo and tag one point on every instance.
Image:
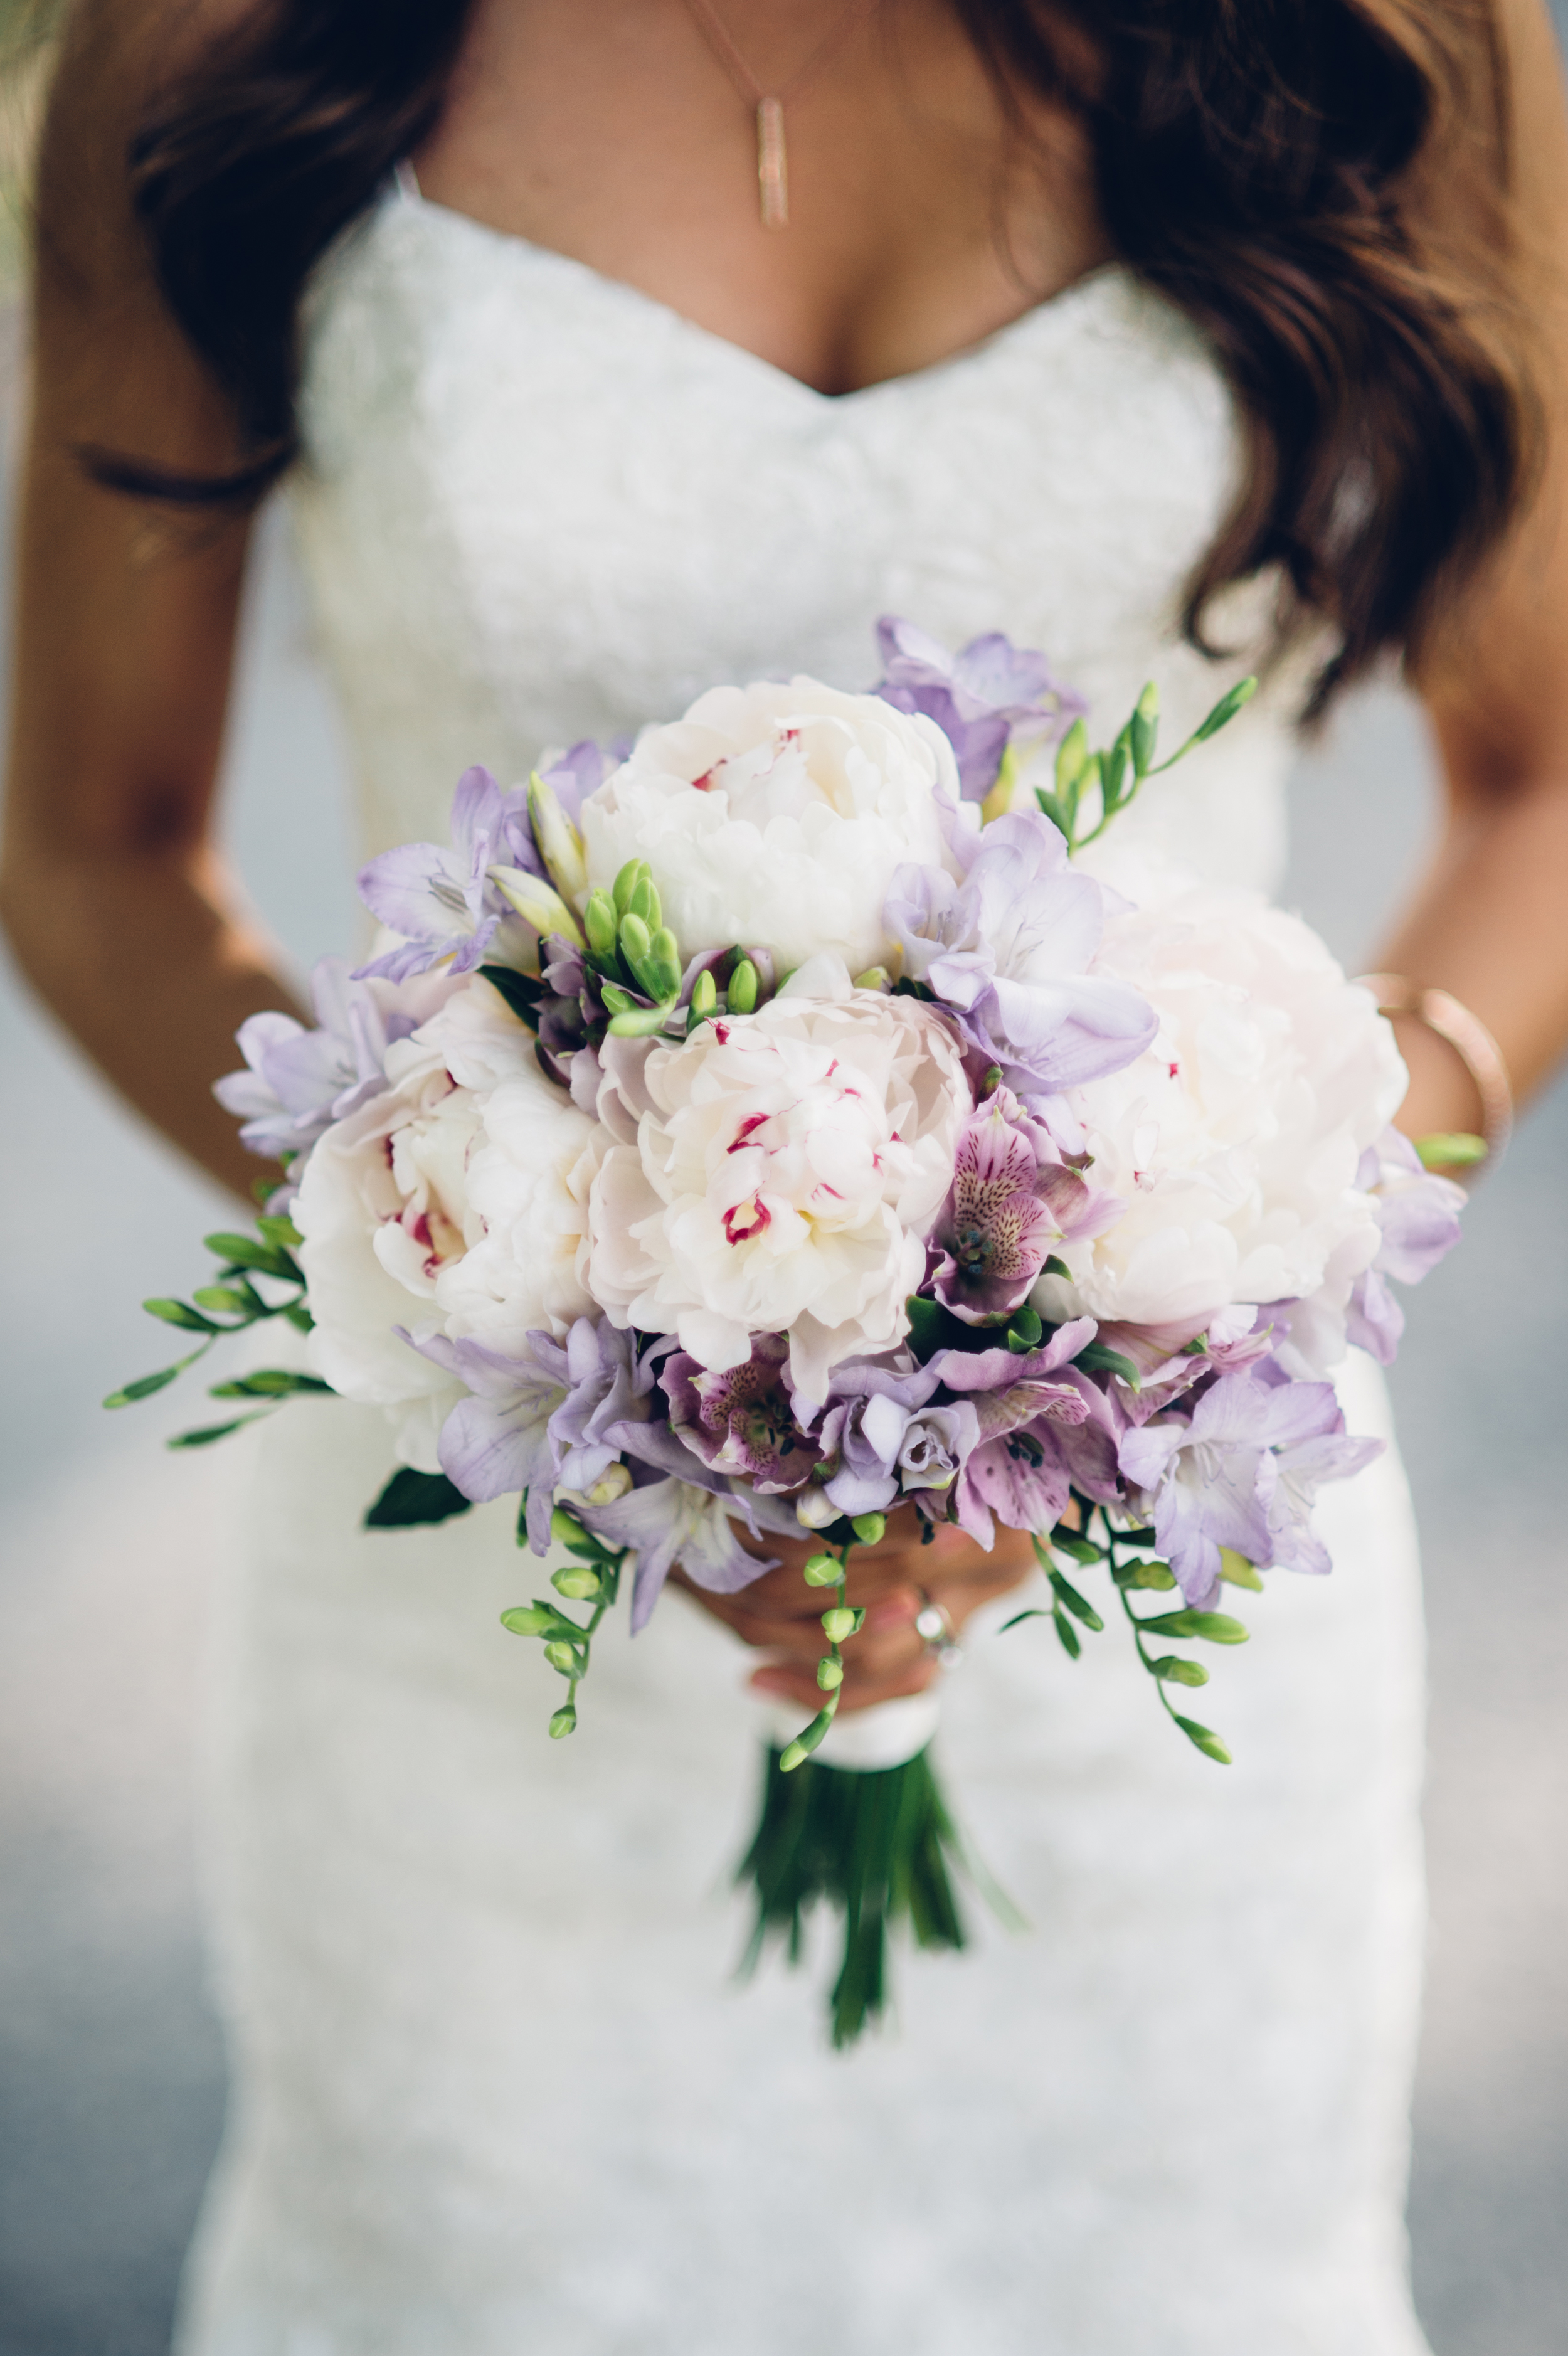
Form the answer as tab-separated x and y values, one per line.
781	1616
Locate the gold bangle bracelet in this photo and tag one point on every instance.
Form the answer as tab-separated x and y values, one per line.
1449	1020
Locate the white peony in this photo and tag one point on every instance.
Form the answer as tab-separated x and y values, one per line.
775	816
386	1212
783	1174
528	1181
1234	1138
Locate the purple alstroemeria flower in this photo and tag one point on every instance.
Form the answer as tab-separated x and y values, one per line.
440	900
742	1424
1014	1470
977	697
672	1522
298	1082
1013	1201
1241	1474
1419	1215
882	1437
1007	949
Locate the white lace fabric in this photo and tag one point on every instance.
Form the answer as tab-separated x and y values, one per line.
495	2090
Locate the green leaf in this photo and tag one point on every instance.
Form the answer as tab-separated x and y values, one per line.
1235	1568
146	1386
1202	1738
1078	1549
1155	1575
246	1251
211	1431
1174	1671
1136	1537
411	1498
1055	810
227	1298
280	1231
932	1327
1054	1267
175	1313
1455	1148
1097	1360
268	1382
1024	1331
1076	1604
1213	1627
1034	1612
1069	1635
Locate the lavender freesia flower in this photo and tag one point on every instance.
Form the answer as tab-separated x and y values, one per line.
977	697
298	1081
440	898
1418	1214
1013	1201
1240	1472
671	1522
1007	948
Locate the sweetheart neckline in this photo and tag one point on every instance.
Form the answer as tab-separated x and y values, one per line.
408	195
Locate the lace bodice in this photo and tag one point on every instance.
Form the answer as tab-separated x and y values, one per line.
540	506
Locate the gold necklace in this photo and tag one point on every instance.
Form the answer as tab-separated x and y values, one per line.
773	160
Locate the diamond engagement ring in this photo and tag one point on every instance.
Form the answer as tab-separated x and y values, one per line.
934	1629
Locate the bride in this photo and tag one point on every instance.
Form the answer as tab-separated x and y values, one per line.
603	352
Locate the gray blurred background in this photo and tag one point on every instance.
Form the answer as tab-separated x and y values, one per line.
111	2071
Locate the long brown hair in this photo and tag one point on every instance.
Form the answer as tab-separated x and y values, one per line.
1269	165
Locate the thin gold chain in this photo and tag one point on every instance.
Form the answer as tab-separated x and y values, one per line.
772	176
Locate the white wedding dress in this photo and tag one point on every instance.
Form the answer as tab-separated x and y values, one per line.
496	2089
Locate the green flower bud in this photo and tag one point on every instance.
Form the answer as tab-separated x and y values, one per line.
539	903
565	1529
627	883
560	844
741	994
563	1657
1071	755
563	1723
599	924
829	1675
581	1583
838	1624
870	1528
664	964
528	1618
1143	728
876	976
611	1484
824	1571
645	902
635	940
704	998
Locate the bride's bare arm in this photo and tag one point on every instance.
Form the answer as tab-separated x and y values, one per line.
1489	922
114	898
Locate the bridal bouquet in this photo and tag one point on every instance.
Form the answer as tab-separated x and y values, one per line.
770	1128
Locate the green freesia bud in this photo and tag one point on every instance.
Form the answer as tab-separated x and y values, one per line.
528	1618
1143	728
563	1723
644	901
876	976
742	995
870	1528
829	1675
580	1583
635	940
1238	1571
538	904
560	844
704	995
599	924
627	883
1071	755
562	1657
838	1624
611	1484
824	1571
565	1529
664	964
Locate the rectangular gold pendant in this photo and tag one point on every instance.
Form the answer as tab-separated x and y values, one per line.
773	168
